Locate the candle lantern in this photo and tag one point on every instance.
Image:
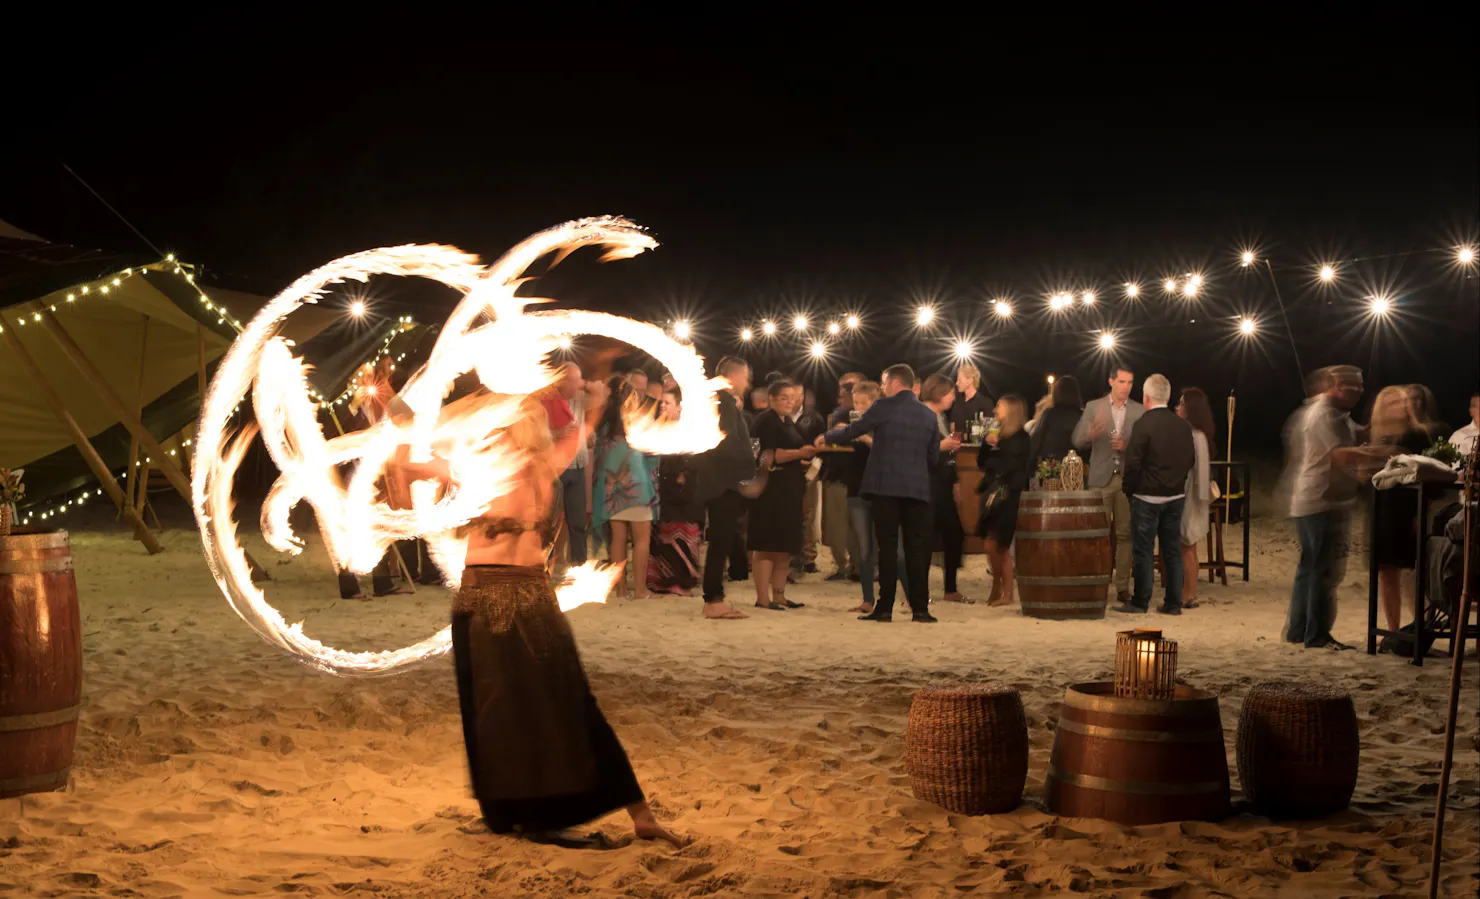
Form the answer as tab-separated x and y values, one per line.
1071	472
1145	665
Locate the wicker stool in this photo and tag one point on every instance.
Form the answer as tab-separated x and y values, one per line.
967	748
1298	749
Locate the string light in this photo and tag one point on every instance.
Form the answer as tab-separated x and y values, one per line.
819	349
834	328
768	328
1107	340
964	349
1132	289
1170	285
1465	255
799	323
1060	301
1246	258
1380	305
747	335
1002	308
1327	273
924	315
682	330
1246	326
566	342
1087	298
852	321
358	309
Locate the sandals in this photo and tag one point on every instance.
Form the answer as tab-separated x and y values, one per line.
1191	604
780	597
772	606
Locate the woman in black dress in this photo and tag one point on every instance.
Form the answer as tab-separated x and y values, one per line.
541	753
1053	436
775	528
1400	425
1004	460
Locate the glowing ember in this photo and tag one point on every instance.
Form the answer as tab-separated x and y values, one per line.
507	352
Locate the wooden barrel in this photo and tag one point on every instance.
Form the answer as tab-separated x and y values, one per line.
40	661
1062	555
1138	761
968	501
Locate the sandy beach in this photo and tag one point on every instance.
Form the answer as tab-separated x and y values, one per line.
209	763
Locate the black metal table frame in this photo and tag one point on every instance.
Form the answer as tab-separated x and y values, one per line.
1242	469
1428	491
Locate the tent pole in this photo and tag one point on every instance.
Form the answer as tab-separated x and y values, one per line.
110	398
133	444
89	455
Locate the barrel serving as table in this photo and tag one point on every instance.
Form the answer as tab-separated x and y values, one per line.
1138	761
40	662
1062	555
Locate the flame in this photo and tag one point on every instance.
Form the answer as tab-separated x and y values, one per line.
357	524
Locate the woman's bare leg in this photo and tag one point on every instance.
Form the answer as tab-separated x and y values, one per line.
780	568
617	551
645	825
760	573
1009	583
1190	572
1390	585
994	562
642	532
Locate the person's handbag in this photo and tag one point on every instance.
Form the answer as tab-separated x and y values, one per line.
757	485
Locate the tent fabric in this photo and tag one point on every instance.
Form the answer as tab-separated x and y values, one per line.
143	294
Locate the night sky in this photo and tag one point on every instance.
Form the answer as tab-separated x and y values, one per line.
793	176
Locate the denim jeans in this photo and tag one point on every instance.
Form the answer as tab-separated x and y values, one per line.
573	493
861	536
1322	564
1153	523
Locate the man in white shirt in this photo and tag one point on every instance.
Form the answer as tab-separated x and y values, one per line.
1322	492
1464	438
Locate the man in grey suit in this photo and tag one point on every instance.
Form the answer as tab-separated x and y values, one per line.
1103	431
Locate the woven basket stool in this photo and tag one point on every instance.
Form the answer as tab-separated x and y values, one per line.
966	748
1298	749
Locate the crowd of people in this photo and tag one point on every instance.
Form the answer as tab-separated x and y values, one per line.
875	484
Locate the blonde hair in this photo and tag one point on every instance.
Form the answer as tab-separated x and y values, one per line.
868	389
1017	414
1389	427
972	373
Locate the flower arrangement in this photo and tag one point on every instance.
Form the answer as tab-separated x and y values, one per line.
1048	469
12	491
1444	451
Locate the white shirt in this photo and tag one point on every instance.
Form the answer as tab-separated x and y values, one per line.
1117	417
1318	429
1464	438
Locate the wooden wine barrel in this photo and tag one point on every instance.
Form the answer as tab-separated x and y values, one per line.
968	501
40	661
1062	554
1138	761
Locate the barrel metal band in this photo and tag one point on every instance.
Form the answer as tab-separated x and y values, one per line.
1197	703
35	566
39	720
1088	580
1062	535
1064	510
1141	736
51	780
1144	788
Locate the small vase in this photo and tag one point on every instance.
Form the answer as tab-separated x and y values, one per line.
4	521
1052	484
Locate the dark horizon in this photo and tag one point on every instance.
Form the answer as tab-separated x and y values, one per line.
871	183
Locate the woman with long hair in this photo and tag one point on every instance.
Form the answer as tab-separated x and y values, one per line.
624	492
1396	428
674	565
543	757
775	526
1053	436
1004	459
1195	409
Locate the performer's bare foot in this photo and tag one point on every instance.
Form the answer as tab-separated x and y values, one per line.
722	611
646	827
863	608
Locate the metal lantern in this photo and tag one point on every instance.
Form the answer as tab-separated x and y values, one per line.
1071	472
1145	665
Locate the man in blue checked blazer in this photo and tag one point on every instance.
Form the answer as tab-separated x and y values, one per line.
906	444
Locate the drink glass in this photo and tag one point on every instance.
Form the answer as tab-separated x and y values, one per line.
994	427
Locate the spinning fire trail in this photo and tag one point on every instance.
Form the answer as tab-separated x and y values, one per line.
507	353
